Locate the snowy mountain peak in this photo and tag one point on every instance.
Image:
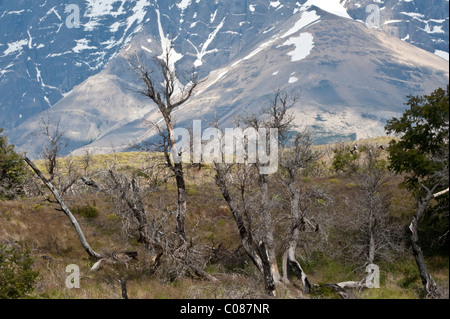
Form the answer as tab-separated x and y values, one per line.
332	6
49	48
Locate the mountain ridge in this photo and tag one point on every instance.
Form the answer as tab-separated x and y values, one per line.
223	42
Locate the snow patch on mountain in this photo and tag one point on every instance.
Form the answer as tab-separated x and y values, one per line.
184	4
293	79
99	8
82	44
275	4
306	18
256	51
204	49
442	54
304	44
139	14
332	6
15	47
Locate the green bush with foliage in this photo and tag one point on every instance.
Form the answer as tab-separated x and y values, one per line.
87	211
12	170
423	150
17	277
344	161
422	156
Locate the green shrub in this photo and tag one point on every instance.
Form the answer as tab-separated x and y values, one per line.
191	191
17	277
87	211
351	185
345	160
37	206
12	170
112	217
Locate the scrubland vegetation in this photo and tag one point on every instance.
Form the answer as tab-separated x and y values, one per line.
314	229
327	255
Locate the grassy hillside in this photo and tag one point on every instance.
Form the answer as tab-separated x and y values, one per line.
36	224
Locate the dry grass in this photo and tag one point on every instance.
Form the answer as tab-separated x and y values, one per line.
54	244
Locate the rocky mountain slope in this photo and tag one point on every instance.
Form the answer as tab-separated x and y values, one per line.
351	70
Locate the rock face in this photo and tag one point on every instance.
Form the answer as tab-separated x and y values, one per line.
44	54
351	70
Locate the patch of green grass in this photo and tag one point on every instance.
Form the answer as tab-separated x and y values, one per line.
351	185
191	190
388	293
87	211
327	270
112	217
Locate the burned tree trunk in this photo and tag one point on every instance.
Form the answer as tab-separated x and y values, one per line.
245	234
268	228
167	99
289	257
123	288
427	280
177	169
269	282
372	234
262	256
65	209
136	206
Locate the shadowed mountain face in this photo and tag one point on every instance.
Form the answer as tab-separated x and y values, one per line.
350	77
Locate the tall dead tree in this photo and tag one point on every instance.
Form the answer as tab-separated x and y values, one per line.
153	230
293	162
168	97
423	202
380	236
252	210
65	209
55	142
273	117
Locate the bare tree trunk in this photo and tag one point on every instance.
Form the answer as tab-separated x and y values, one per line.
201	273
289	257
167	99
181	185
246	236
269	282
427	280
135	204
65	209
182	204
372	240
123	287
268	229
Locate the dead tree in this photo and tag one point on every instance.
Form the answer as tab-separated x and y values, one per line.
65	209
168	97
252	210
379	236
273	117
422	203
56	142
293	162
130	194
152	231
